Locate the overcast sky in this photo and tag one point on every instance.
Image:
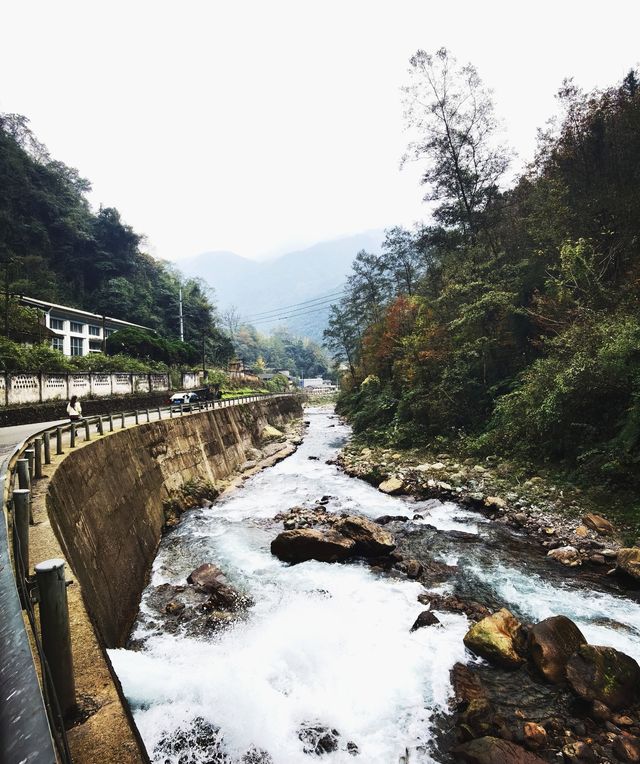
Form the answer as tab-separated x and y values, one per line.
263	126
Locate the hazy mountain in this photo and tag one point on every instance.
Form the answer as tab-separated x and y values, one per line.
256	287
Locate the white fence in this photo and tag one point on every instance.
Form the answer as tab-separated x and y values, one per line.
51	386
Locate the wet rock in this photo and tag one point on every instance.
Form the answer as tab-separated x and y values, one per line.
567	555
426	618
174	607
551	643
206	577
493	750
495	637
386	519
318	740
604	674
452	604
627	748
309	544
578	751
520	518
600	711
467	685
392	486
225	597
598	523
369	539
413	568
535	736
629	561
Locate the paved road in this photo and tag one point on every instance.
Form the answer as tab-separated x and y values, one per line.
10	437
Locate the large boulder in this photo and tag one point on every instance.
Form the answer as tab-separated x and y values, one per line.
311	544
551	643
369	538
494	750
270	433
392	486
629	561
598	523
604	674
206	577
495	638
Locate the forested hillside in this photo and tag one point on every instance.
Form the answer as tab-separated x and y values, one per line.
54	247
512	323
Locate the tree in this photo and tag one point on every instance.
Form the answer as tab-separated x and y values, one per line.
453	115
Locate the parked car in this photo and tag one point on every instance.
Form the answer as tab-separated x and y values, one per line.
186	399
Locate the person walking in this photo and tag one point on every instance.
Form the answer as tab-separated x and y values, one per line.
74	409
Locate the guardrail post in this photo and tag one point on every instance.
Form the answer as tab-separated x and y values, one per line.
170	411
100	426
21	508
137	414
159	414
148	413
59	441
54	628
72	435
122	418
110	422
87	430
181	409
46	442
24	479
37	453
31	456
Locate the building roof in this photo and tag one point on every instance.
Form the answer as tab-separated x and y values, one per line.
78	312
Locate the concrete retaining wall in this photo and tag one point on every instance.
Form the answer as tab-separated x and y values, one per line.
105	500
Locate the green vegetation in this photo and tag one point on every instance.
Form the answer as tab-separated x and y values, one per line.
512	324
54	247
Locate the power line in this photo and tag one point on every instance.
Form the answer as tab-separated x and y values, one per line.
290	315
295	305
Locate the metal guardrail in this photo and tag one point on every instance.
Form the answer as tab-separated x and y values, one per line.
31	724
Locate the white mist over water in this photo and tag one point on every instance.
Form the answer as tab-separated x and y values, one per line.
324	644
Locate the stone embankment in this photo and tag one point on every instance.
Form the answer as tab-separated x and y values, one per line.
566	530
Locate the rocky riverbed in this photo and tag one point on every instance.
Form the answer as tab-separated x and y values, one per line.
310	614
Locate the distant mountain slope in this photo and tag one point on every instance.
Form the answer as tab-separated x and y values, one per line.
257	287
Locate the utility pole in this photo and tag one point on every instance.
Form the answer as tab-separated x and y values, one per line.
204	365
181	316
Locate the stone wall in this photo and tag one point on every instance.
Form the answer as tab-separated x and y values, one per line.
105	500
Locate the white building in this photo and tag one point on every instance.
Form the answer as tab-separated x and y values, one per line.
78	331
317	383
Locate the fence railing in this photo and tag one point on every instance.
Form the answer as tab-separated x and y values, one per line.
32	714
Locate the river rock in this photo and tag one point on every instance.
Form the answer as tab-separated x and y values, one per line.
310	544
598	523
629	561
392	486
567	555
369	538
535	736
225	597
493	750
582	531
495	502
386	519
604	674
206	577
426	618
551	643
495	637
627	748
467	685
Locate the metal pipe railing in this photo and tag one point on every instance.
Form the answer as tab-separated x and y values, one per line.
31	720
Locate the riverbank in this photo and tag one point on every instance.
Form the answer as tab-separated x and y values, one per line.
571	529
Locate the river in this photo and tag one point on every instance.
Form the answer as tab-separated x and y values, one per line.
329	645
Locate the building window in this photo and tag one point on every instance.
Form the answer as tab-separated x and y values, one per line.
76	327
94	331
108	332
57	343
95	345
57	323
76	346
